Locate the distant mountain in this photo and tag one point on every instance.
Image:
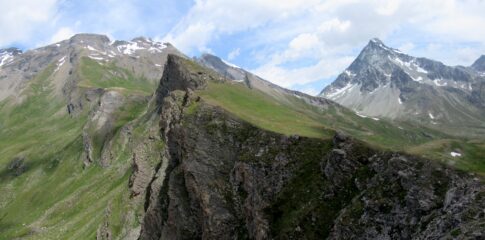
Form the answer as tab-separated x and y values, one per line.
479	64
104	139
238	74
7	55
143	57
385	82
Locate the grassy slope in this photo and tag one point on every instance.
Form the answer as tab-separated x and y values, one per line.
109	76
56	198
300	118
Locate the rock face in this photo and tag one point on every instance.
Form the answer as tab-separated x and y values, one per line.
384	82
479	64
221	178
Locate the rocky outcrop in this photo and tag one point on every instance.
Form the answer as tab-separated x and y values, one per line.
222	178
17	166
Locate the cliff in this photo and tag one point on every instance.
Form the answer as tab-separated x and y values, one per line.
226	179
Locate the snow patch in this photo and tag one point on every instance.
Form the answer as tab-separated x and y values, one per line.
158	65
438	83
431	116
421	70
364	116
349	73
230	64
97	58
60	63
5	58
99	52
341	91
399	100
418	79
129	48
92	49
455	154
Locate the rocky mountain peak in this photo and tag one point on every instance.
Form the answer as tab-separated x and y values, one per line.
89	38
6	55
384	82
377	47
13	50
479	64
212	61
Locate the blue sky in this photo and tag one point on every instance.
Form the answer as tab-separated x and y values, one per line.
298	44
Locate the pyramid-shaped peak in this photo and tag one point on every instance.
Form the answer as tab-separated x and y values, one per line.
377	43
479	64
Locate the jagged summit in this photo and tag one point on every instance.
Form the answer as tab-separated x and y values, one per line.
385	82
479	64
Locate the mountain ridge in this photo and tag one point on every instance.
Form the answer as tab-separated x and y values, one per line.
99	142
384	82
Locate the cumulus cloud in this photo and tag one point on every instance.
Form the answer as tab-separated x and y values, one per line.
288	77
290	42
62	34
234	53
20	19
297	42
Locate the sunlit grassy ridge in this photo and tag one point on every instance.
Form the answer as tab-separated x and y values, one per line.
261	110
297	117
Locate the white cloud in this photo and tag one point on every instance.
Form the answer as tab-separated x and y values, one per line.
234	54
21	18
209	19
334	24
407	47
304	41
285	77
293	40
387	7
297	42
62	34
311	91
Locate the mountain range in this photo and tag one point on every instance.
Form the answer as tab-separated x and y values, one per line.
104	139
384	82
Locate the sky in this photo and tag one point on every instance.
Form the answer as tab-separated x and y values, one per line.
301	45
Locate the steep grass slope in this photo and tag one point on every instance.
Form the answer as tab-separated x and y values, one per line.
47	192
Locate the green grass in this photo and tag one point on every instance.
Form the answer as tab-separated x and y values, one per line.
108	75
294	116
262	111
56	197
472	151
300	118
